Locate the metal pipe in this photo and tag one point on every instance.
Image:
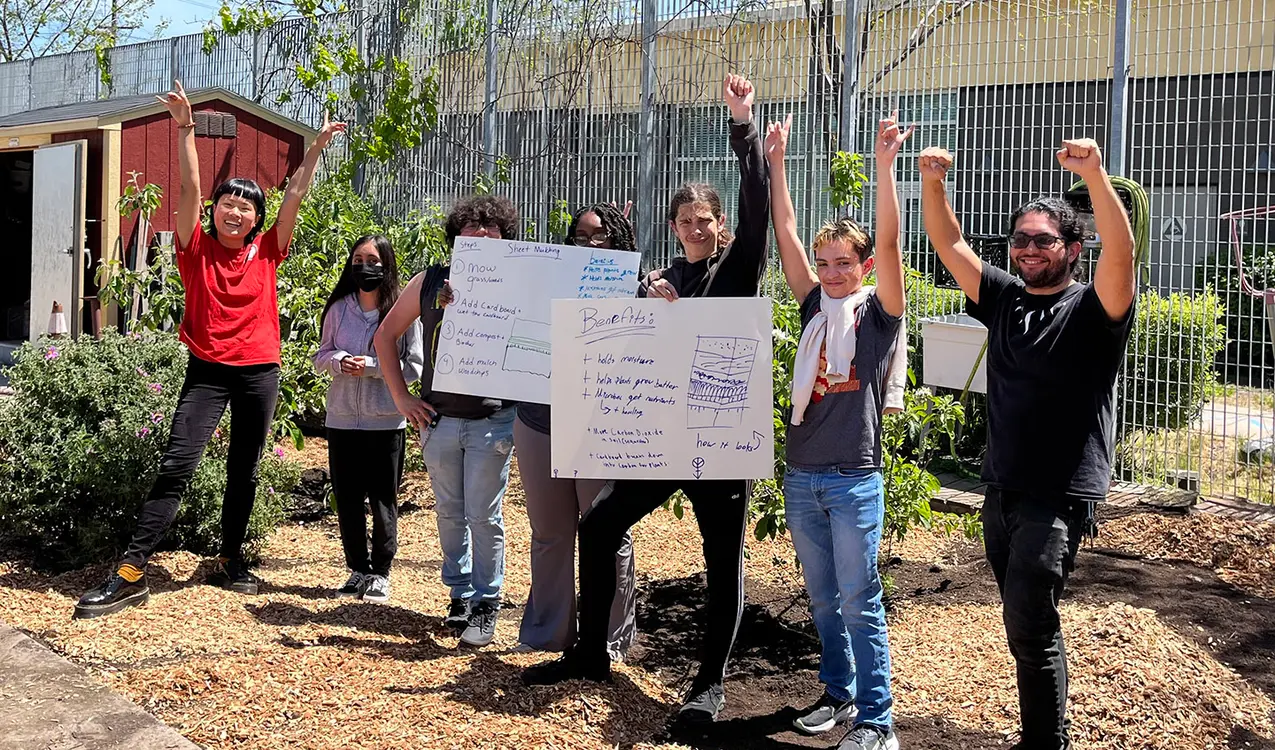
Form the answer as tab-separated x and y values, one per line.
489	100
1119	91
646	210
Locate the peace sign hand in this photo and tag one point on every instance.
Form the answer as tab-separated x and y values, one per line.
178	105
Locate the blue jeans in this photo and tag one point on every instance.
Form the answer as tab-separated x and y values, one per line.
468	464
835	518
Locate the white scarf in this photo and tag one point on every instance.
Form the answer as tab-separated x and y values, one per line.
832	330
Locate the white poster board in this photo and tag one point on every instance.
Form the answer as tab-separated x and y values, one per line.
494	340
649	389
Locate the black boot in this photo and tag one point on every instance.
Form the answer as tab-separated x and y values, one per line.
233	575
115	594
571	666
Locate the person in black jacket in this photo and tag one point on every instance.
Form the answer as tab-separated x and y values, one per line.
715	265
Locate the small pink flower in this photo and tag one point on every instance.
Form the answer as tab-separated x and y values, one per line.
157	418
143	432
51	354
278	451
217	433
157	387
270	490
143	373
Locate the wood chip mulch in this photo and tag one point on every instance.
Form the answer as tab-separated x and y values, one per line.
295	668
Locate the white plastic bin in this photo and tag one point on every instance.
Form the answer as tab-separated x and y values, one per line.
952	344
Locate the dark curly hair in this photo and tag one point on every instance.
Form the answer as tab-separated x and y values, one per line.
613	221
1070	226
483	209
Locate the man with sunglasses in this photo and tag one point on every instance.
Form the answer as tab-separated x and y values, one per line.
1054	349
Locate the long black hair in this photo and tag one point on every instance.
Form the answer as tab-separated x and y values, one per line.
386	294
613	221
250	191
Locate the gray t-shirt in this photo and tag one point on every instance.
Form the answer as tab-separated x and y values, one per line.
841	428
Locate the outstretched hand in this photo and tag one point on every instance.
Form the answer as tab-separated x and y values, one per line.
777	140
328	131
890	139
178	105
1081	157
738	93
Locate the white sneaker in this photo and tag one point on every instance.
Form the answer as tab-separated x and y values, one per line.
377	589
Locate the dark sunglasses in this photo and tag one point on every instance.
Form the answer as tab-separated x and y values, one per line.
1020	240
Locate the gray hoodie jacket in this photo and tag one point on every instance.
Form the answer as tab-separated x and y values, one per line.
364	402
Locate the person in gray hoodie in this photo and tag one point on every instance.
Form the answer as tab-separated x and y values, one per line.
366	434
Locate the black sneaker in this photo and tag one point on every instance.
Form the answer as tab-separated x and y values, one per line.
115	593
233	575
869	737
704	705
377	589
457	615
353	588
482	624
569	666
825	714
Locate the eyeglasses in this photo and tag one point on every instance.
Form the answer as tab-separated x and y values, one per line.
474	226
1020	240
597	238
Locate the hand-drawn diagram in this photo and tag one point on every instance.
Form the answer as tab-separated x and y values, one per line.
527	349
718	390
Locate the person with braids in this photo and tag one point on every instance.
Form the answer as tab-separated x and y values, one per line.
715	265
467	440
554	506
366	434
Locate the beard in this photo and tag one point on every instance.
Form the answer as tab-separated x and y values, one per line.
1053	273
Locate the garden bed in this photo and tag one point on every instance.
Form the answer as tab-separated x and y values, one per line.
1168	634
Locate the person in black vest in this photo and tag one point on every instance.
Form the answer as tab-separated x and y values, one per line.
715	265
468	439
1054	349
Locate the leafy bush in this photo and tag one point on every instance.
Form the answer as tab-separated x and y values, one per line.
80	445
1169	365
1247	357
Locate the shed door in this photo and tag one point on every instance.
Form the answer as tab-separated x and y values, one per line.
57	237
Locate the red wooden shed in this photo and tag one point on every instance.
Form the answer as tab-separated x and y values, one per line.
62	170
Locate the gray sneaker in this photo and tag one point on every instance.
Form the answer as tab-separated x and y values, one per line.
704	705
825	714
482	624
377	589
353	587
869	737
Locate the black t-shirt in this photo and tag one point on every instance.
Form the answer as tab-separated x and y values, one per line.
456	405
1052	362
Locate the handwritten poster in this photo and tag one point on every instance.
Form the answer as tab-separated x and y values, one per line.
648	389
495	341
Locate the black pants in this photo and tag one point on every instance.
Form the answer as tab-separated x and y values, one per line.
250	391
1031	544
721	509
367	465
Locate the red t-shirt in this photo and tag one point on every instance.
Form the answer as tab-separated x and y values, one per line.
232	303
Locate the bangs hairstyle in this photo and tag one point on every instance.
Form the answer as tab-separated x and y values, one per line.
483	209
250	191
700	192
845	230
613	221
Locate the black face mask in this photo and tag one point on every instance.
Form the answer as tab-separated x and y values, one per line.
368	277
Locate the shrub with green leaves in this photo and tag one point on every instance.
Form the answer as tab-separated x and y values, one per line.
1169	365
1247	357
80	445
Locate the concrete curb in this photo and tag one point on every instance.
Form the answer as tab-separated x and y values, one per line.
51	704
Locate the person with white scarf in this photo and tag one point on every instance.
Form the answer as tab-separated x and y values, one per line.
850	367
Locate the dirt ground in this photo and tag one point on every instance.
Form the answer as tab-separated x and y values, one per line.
1170	630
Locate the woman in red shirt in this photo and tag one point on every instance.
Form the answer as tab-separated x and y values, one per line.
231	327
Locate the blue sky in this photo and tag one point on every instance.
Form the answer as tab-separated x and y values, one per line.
184	16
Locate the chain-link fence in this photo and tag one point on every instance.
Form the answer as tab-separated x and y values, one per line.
576	101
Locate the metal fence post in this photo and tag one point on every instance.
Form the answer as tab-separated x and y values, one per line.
489	99
1119	91
646	211
31	84
849	78
174	73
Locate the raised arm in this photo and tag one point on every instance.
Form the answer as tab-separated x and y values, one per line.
300	181
406	311
1114	278
189	197
741	268
889	258
792	254
941	225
